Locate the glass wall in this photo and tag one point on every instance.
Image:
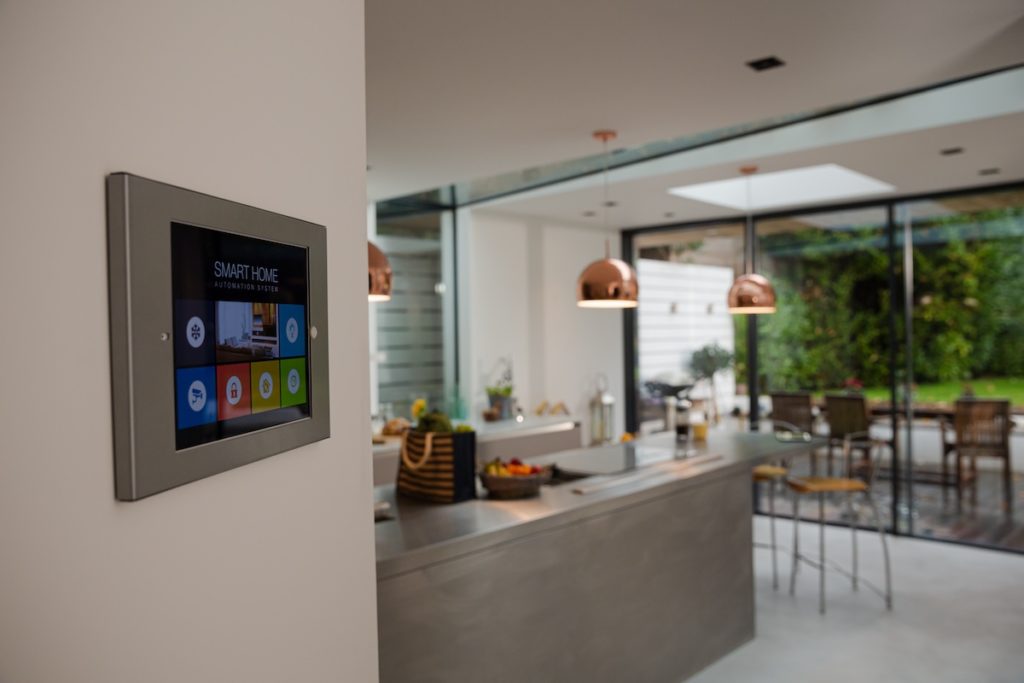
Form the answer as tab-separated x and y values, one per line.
830	271
682	314
914	308
967	342
831	334
413	334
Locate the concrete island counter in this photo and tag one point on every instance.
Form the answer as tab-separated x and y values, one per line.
641	571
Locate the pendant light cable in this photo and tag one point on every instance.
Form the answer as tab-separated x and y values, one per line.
604	136
748	251
604	141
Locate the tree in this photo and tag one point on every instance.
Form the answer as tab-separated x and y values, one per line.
707	362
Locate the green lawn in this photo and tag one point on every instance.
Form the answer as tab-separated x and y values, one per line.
947	392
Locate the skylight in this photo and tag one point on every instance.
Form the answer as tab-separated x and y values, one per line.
785	188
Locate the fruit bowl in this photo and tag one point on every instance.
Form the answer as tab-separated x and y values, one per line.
509	486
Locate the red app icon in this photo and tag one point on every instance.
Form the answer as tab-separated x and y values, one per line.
233	391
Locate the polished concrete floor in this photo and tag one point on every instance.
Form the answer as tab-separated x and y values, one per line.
958	616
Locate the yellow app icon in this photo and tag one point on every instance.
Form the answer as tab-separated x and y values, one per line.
266	385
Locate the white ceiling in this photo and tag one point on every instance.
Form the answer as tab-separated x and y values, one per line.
464	89
911	162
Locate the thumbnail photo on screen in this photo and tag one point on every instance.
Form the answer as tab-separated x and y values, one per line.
246	331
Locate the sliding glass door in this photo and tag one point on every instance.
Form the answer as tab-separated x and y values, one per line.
965	298
832	333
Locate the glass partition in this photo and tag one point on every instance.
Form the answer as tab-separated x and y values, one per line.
830	271
912	311
413	333
967	349
831	335
683	324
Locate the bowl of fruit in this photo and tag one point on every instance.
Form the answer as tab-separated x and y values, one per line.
513	479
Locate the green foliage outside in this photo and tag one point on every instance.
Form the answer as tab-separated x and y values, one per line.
832	326
947	392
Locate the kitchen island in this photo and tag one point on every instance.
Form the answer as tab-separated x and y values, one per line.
641	572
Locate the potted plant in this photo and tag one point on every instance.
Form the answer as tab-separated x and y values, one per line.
707	362
499	394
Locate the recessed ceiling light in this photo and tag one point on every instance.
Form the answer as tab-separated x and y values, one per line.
670	214
950	151
765	63
784	188
989	171
589	214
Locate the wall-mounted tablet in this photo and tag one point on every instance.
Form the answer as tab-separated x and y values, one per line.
218	334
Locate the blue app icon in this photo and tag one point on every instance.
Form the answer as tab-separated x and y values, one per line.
197	396
293	330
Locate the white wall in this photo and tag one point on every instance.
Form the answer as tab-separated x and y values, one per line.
263	573
495	298
519	299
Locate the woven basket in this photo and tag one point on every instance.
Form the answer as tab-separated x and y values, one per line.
521	486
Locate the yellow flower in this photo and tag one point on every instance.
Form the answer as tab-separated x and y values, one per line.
419	406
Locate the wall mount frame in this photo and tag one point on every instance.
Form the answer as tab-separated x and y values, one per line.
170	428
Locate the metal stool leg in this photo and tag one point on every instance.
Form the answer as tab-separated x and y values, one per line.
885	550
821	550
853	535
796	544
771	521
1007	487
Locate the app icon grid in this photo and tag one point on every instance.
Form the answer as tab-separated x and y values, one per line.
202	378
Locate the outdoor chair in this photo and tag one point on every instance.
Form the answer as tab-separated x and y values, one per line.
981	428
847	416
793	410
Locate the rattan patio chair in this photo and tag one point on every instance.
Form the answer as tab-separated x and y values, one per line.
981	428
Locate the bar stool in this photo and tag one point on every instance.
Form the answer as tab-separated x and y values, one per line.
850	485
773	475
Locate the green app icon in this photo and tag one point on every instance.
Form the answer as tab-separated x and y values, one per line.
293	382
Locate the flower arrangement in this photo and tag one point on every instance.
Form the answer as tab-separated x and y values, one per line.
853	384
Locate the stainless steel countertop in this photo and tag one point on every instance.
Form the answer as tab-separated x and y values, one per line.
423	534
496	431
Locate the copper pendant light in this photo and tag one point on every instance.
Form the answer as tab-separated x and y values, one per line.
609	282
380	274
751	294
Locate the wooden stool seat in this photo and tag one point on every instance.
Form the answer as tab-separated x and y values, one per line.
848	487
769	472
826	485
